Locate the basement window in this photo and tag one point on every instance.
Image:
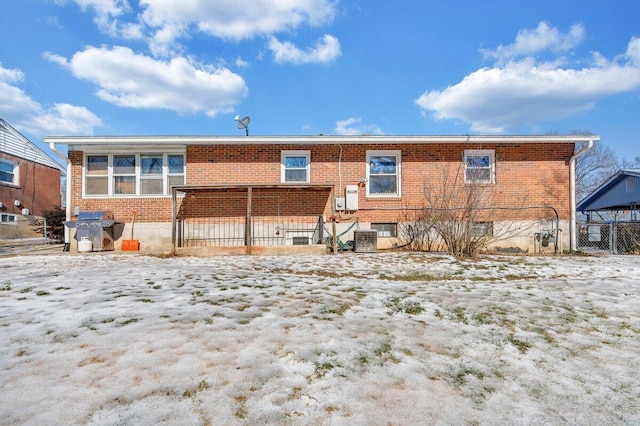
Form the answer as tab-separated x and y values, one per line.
482	229
8	219
385	230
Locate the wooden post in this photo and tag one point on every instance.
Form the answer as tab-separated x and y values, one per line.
334	240
248	222
174	215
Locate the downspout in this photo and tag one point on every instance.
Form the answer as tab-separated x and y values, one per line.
572	182
52	147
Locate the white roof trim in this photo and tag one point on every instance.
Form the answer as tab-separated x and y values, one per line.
14	143
307	140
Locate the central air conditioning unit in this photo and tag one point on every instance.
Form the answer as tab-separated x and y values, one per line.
365	241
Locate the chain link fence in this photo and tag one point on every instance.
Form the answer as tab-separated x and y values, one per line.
615	238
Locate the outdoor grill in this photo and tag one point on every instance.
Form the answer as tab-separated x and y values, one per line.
97	226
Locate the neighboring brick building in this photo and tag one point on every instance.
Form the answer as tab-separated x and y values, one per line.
29	182
291	188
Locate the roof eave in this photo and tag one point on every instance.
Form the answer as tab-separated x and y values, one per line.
309	140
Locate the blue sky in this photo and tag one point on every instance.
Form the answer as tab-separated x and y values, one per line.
305	67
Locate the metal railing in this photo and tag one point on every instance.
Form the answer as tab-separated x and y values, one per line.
265	231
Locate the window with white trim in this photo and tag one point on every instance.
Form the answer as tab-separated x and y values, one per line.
124	174
144	174
8	218
479	166
295	166
383	173
630	184
8	172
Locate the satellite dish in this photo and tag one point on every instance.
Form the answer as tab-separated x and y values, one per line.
243	123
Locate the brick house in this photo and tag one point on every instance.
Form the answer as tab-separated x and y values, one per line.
29	182
276	193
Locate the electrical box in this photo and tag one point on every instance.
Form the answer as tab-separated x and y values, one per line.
351	193
339	204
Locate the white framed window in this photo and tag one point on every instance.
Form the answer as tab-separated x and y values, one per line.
295	166
383	173
96	175
10	219
151	181
385	230
630	184
8	172
144	174
479	166
124	174
175	170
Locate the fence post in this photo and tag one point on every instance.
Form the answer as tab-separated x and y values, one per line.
613	241
248	235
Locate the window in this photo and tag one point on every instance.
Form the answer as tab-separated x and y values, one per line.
385	229
124	174
383	173
151	182
175	172
482	229
132	174
479	166
8	218
295	166
8	172
630	184
96	175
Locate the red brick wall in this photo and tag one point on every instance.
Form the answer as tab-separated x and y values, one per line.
526	175
38	189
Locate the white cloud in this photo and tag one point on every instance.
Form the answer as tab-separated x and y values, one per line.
127	79
241	63
324	51
240	19
107	13
29	116
163	24
524	92
354	127
104	7
12	76
529	42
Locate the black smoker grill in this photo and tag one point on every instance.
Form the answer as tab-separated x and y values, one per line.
97	226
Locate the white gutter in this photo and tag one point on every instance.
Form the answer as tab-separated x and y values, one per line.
52	147
163	141
572	182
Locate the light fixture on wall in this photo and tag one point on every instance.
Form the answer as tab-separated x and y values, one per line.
17	203
1	205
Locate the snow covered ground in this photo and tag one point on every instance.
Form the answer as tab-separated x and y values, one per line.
354	339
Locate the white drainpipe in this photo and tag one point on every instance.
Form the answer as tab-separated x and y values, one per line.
572	181
52	147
